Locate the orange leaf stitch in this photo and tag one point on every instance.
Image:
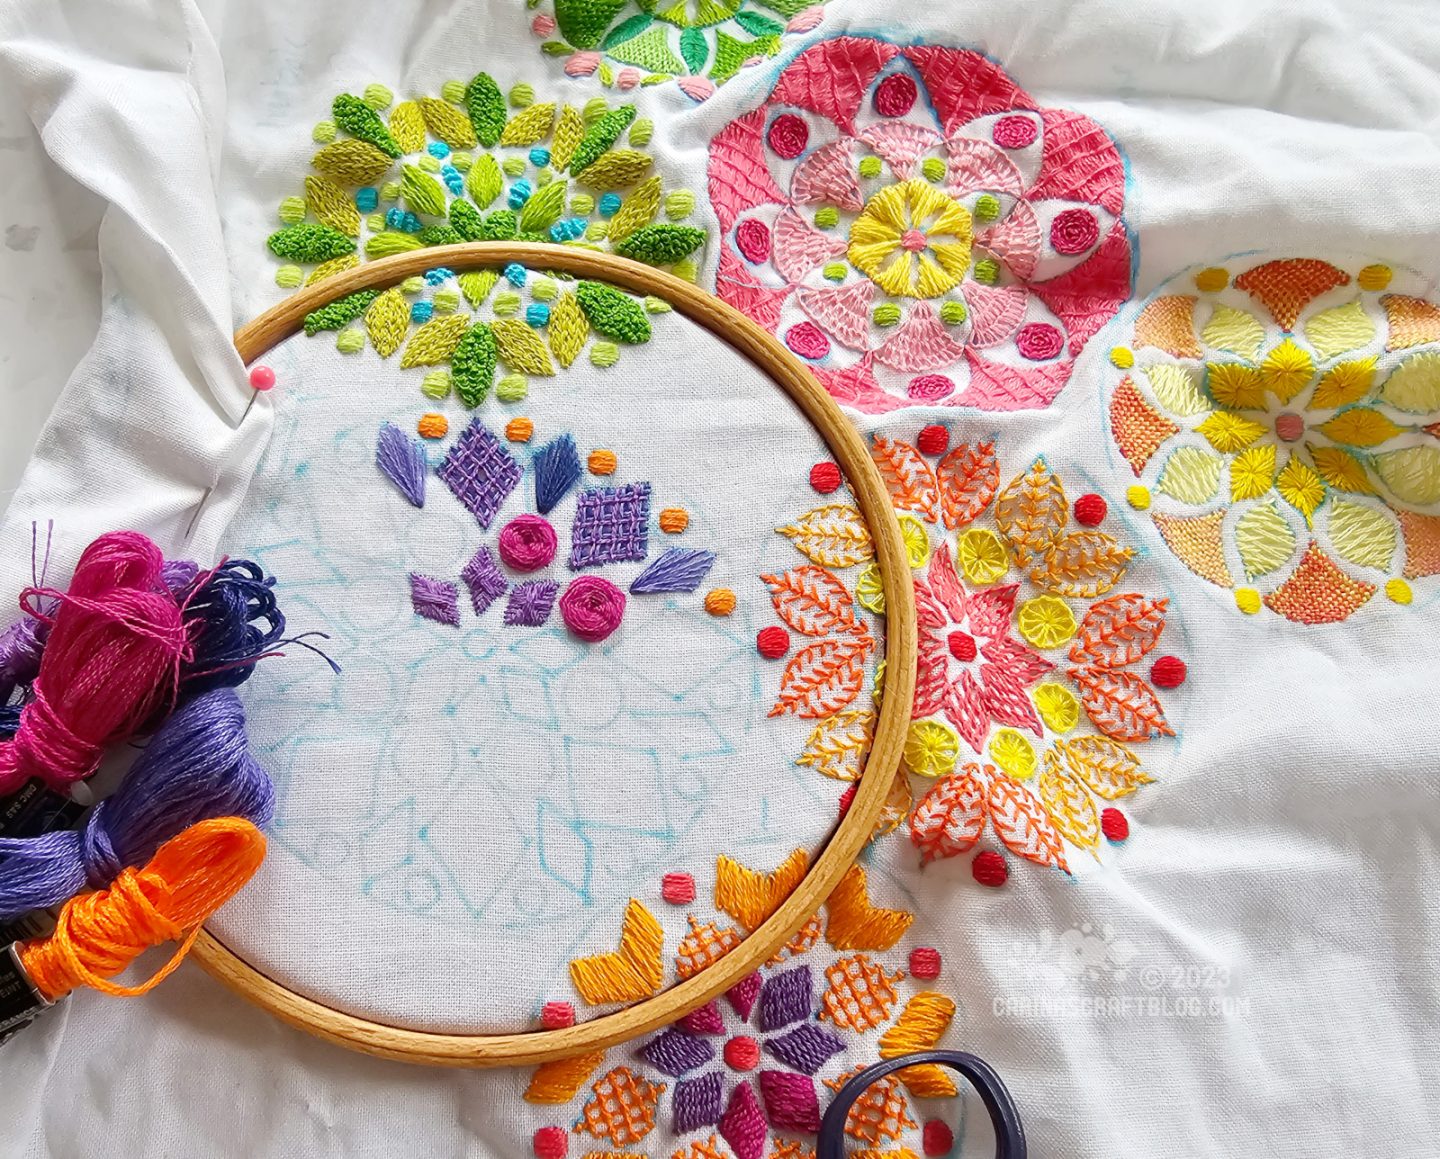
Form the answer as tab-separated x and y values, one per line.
921	1025
860	994
703	946
838	746
898	803
835	535
1019	821
823	678
1109	769
877	1115
1138	427
623	1109
1169	324
968	478
1119	630
855	924
1286	287
813	601
1122	705
1069	805
1082	564
907	477
1031	512
1318	592
560	1081
950	817
749	896
632	973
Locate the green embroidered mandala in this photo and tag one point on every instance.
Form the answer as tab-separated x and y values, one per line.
698	43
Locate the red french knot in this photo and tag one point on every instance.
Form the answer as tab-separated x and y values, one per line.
555	1015
262	377
933	440
937	1138
1114	825
825	478
677	888
930	387
925	962
847	798
772	642
788	136
1139	428
962	646
1014	132
990	869
752	238
807	340
1090	510
742	1053
551	1143
1168	672
1039	341
895	95
1074	231
1289	426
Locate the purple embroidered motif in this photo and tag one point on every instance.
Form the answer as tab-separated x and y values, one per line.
806	1048
480	472
790	1101
697	1102
785	998
706	1020
678	570
530	603
611	525
677	1053
557	469
403	461
435	599
483	577
743	1124
742	995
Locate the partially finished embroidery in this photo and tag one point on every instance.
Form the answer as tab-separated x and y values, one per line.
1282	416
918	229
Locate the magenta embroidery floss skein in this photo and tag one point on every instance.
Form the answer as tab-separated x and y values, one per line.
197	766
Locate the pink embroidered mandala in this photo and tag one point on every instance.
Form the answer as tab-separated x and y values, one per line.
914	225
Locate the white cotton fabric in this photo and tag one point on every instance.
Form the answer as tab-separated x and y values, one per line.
1285	861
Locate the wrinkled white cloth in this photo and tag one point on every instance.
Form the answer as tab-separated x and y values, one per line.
1279	898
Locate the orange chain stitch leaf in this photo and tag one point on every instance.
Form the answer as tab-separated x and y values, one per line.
703	946
860	993
623	1109
1020	822
1109	769
968	479
855	924
1031	512
1119	630
839	744
834	535
560	1081
921	1025
813	601
877	1115
635	971
1122	705
823	678
750	896
907	477
1082	564
950	817
1069	805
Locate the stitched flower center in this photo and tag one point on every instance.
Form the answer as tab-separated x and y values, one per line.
912	241
962	646
1289	426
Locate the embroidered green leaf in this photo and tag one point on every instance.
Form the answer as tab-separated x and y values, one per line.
530	126
601	136
484	181
447	123
387	322
487	110
341	312
407	126
351	162
1413	473
421	192
473	365
331	268
477	284
1191	475
663	244
583	22
627	29
569	132
758	25
615	169
465	220
332	205
360	120
1264	539
521	349
568	330
544	208
502	225
308	242
392	241
637	210
694	49
435	341
612	313
439	235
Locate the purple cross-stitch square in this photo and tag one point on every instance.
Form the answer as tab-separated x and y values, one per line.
480	472
530	603
611	525
435	599
482	575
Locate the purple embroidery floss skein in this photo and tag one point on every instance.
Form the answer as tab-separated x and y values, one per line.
197	766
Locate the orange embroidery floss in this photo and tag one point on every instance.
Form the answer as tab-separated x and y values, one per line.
601	462
519	430
674	520
432	426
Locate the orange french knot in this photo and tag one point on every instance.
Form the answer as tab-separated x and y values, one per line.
601	462
674	520
519	430
720	602
634	971
433	426
749	896
623	1109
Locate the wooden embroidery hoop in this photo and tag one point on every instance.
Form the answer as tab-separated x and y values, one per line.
854	830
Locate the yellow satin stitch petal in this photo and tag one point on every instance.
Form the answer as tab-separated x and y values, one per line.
931	749
982	556
1057	706
908	221
1228	432
1252	472
1398	591
1046	621
877	684
1247	600
1287	370
868	589
1013	753
917	541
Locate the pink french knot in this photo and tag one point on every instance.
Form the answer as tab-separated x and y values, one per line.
628	78
582	64
907	309
543	25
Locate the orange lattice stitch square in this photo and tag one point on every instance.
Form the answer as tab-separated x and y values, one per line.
805	938
877	1115
702	947
710	1149
860	995
623	1109
792	1149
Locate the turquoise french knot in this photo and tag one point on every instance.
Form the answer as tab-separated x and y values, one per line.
438	275
438	149
421	311
515	274
609	204
519	194
453	181
567	230
537	315
367	199
539	157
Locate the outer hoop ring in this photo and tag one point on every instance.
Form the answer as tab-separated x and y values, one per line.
849	836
